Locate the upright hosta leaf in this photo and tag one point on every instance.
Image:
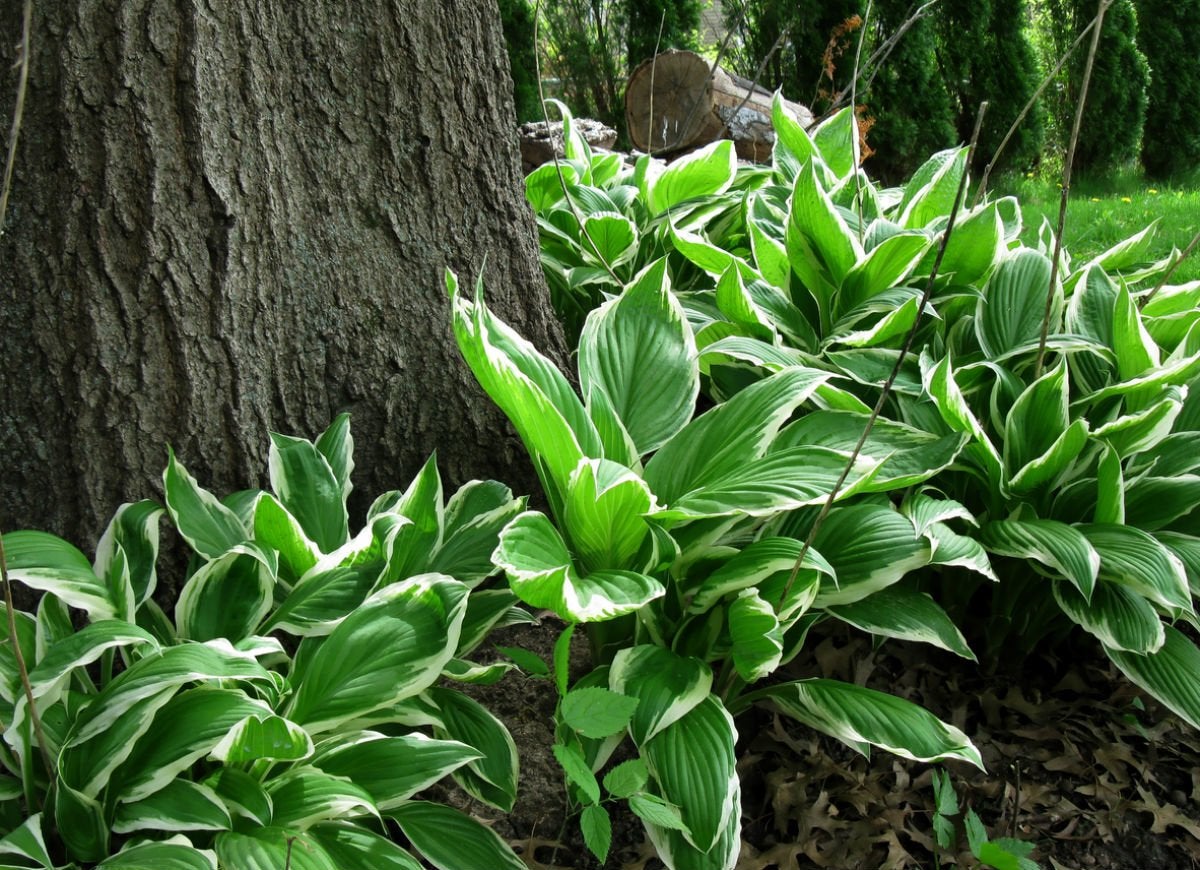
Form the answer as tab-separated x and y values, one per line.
1136	350
322	599
49	564
723	439
81	823
474	517
492	776
614	437
208	526
451	841
887	264
134	529
1058	459
857	715
611	237
1168	674
26	842
181	805
1013	304
310	490
1052	543
390	648
276	529
1118	617
693	763
666	685
870	547
1090	314
639	350
1136	560
766	564
818	226
1143	429
906	614
392	769
409	550
304	796
756	635
793	147
704	172
975	245
836	138
940	385
1037	418
540	571
604	513
929	194
243	795
228	597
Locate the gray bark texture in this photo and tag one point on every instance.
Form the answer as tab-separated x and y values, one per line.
229	218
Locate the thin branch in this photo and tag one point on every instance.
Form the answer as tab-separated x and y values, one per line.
854	144
1066	185
895	373
653	69
18	111
1187	252
39	734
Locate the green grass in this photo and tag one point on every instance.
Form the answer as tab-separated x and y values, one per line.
1107	209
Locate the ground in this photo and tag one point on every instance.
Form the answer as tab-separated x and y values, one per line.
1081	764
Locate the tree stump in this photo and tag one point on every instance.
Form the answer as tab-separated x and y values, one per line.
678	101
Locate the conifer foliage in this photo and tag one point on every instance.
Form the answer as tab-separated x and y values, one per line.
1170	38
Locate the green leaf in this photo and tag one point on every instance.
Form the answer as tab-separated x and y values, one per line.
409	549
244	795
303	796
1136	560
27	841
133	529
929	195
706	171
604	514
390	648
575	766
270	848
1142	430
756	635
836	138
975	245
322	599
472	522
492	777
610	237
722	440
1136	351
627	778
278	530
856	715
530	662
666	685
887	264
49	564
48	680
1013	303
540	572
228	597
1037	418
906	614
1056	461
1056	545
793	147
160	856
208	526
310	490
351	845
562	659
598	712
651	808
939	383
259	737
693	762
1118	617
452	841
816	227
179	806
81	823
870	547
597	830
1168	674
766	564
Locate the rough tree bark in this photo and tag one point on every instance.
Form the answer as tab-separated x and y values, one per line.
231	218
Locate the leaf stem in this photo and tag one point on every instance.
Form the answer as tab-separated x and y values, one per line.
18	111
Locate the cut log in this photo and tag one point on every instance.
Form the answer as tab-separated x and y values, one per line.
678	100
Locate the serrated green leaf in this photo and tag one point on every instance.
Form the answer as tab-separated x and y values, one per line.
627	778
597	830
575	766
598	712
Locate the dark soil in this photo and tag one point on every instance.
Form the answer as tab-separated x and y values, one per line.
1081	764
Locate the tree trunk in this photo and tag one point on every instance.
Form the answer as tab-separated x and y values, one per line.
231	218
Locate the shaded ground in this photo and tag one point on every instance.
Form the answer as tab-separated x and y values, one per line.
1090	770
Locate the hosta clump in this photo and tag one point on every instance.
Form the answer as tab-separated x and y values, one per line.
290	705
672	537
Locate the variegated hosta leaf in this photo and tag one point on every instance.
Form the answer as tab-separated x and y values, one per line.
1136	351
1187	549
325	846
473	520
533	393
276	529
49	564
951	548
259	737
492	776
908	455
1137	561
321	599
610	238
1168	674
1055	545
722	440
1037	419
228	596
81	822
408	551
883	268
392	769
391	647
666	685
704	172
451	840
1013	304
243	795
693	763
307	486
766	564
304	796
337	446
929	195
181	805
133	529
638	349
541	573
836	139
870	547
208	526
974	247
939	384
756	635
1056	461
1118	617
924	510
858	716
177	853
793	146
1143	429
604	514
906	614
27	843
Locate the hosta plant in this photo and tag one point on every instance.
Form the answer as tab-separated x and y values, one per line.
671	538
289	710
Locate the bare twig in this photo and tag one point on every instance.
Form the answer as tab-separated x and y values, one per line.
1187	252
653	69
1066	186
895	373
18	110
987	170
21	667
854	144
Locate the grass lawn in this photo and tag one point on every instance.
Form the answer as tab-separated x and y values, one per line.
1104	210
